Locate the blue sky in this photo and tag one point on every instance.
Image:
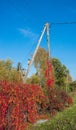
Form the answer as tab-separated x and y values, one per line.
21	23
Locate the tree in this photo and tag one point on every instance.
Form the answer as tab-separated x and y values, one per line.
40	62
62	75
59	72
19	67
8	72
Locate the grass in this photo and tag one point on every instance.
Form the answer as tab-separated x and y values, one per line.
65	120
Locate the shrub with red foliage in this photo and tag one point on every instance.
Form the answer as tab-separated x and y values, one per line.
19	104
58	100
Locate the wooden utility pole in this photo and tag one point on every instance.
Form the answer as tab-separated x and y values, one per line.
46	28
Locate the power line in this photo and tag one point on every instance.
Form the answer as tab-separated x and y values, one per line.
61	23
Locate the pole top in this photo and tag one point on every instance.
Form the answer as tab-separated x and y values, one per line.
47	24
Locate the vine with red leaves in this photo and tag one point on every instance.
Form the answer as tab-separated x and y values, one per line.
49	75
19	104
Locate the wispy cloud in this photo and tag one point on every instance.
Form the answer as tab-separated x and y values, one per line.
28	33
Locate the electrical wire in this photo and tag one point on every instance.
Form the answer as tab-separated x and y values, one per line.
60	23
